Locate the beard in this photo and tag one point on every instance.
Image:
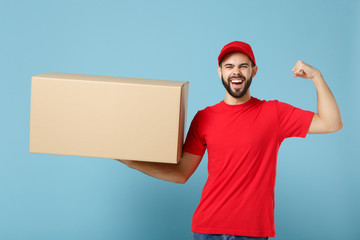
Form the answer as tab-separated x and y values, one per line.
237	93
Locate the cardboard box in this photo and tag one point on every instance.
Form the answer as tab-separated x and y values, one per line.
108	117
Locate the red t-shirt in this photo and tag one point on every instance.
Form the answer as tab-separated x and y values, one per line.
242	143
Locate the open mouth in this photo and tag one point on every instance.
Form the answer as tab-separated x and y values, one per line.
237	82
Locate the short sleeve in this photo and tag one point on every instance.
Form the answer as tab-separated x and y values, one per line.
293	121
195	142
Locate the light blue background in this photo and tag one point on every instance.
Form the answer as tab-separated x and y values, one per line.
64	197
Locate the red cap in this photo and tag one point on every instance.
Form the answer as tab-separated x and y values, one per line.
237	46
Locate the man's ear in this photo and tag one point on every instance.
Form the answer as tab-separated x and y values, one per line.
254	71
219	71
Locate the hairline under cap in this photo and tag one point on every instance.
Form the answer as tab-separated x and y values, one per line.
252	62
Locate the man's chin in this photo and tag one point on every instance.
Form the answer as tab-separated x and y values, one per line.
236	94
236	90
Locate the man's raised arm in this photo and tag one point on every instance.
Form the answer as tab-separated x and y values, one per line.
177	173
328	118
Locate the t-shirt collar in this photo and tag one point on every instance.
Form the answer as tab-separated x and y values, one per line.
252	101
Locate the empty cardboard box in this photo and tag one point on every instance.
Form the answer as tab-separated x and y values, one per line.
108	117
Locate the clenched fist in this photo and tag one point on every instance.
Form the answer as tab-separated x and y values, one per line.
304	70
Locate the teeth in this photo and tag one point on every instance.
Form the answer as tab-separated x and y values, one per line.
237	81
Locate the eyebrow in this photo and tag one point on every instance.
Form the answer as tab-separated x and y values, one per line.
242	64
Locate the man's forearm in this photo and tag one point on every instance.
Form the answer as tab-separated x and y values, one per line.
164	171
177	173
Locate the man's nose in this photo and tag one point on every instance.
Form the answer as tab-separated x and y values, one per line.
236	72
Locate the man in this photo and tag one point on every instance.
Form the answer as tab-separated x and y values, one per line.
242	135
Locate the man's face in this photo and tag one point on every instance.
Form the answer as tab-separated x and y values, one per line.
236	73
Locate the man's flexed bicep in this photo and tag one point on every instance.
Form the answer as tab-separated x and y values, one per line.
328	118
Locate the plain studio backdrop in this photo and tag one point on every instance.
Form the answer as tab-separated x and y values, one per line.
64	197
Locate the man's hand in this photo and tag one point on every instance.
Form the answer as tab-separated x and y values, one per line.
126	162
304	70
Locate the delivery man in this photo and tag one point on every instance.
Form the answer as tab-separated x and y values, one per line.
242	135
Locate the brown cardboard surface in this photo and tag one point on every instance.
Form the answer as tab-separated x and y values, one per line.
108	117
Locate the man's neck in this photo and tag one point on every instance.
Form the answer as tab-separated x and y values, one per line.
235	101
